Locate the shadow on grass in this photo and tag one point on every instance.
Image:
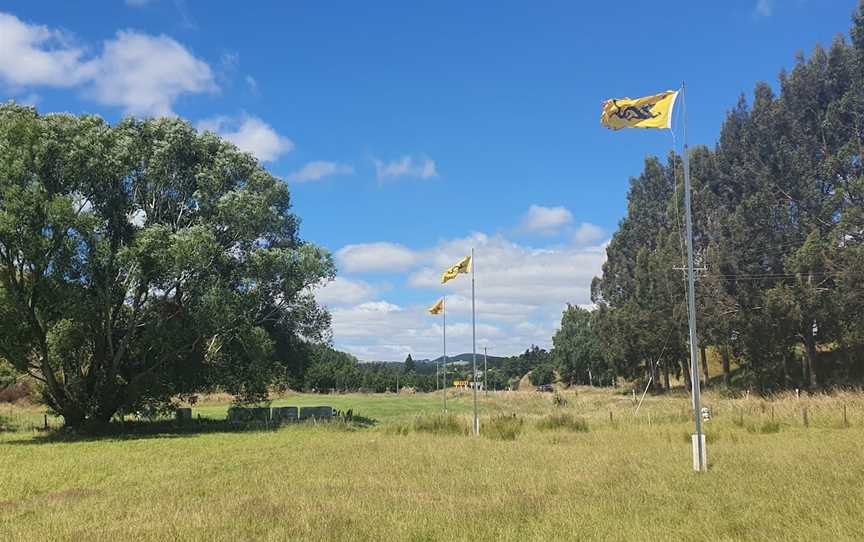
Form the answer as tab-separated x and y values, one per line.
135	430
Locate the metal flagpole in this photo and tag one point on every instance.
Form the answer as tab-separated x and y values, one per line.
699	462
474	346
444	383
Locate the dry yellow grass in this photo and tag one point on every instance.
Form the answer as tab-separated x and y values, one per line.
628	478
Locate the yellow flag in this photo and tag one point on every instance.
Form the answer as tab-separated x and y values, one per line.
437	307
463	266
647	112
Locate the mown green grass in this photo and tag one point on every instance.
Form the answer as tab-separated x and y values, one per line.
628	478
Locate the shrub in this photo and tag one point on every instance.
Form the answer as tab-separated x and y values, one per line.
563	421
440	424
503	427
770	426
558	400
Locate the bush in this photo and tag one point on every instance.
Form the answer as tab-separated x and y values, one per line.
558	400
503	427
440	424
563	421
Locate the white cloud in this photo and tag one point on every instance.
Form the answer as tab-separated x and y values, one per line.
33	55
764	8
140	73
587	234
314	171
520	293
389	257
545	220
343	291
137	3
511	273
146	74
407	166
250	134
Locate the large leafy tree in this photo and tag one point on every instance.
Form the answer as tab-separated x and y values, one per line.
576	350
144	260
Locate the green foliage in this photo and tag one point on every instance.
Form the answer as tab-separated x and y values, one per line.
576	349
409	364
8	375
145	260
542	374
778	210
562	420
516	367
441	424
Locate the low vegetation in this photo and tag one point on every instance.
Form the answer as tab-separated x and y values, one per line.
414	474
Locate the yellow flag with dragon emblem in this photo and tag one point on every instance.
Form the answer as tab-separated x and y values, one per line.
646	112
437	307
462	266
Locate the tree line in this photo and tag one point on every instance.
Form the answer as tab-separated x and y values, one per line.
778	209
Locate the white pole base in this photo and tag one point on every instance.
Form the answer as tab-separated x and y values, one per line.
476	426
695	442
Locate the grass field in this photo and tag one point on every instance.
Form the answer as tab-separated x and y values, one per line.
771	477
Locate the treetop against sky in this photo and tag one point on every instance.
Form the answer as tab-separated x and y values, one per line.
409	134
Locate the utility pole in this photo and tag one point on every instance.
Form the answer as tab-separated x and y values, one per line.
699	461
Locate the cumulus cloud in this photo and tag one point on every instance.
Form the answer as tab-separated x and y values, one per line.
545	220
587	234
520	293
250	134
388	257
146	74
35	55
513	273
314	171
343	291
140	73
407	166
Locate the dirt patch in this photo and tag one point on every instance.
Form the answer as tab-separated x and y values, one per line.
55	497
71	494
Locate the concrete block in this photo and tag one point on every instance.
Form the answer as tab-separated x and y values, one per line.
317	412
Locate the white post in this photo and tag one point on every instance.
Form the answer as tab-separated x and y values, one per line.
476	425
699	452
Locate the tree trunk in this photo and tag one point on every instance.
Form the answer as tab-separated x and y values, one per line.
666	374
810	359
727	373
704	352
688	383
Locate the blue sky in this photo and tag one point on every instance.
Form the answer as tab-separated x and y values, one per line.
409	132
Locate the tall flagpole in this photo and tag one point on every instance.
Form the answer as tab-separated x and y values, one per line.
444	386
474	346
699	462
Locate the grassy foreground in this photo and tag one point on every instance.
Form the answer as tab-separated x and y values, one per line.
771	477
